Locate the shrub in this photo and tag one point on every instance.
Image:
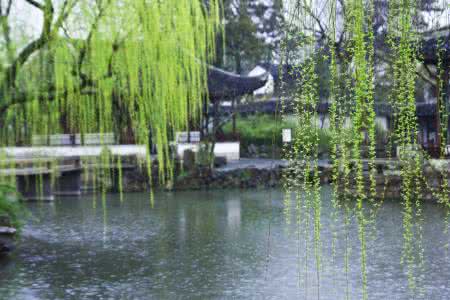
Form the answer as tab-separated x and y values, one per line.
205	157
267	130
10	206
259	130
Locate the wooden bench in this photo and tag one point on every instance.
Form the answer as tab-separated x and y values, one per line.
74	139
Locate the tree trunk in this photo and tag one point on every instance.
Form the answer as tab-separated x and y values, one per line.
216	120
237	58
441	93
233	108
188	123
438	114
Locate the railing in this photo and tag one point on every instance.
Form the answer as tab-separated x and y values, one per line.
187	137
74	139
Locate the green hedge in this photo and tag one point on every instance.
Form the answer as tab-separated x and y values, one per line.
259	130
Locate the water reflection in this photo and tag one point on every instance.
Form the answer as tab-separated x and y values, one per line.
233	214
220	244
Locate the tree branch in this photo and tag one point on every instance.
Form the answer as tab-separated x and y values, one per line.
22	98
6	29
85	46
322	30
11	72
35	4
64	14
8	8
428	78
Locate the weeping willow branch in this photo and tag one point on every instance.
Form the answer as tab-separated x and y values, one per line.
140	57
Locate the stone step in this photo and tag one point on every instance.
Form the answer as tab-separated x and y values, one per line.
9	231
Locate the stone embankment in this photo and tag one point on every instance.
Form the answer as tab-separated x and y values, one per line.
264	173
7	234
434	175
250	176
244	173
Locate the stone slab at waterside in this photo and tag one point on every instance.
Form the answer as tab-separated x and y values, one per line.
73	151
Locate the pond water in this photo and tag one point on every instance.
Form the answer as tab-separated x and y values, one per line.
211	244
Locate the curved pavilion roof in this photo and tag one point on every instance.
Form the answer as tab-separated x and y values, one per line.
226	85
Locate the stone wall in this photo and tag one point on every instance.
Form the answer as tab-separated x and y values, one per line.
388	179
204	178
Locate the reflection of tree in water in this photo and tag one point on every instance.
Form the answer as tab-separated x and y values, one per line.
186	247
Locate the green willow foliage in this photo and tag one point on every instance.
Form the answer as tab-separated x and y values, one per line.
115	65
302	178
352	123
405	59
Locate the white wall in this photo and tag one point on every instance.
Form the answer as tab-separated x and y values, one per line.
324	122
229	150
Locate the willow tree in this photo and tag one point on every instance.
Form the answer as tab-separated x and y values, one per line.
103	66
355	37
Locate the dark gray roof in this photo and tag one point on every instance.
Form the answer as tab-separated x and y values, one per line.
226	85
274	105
